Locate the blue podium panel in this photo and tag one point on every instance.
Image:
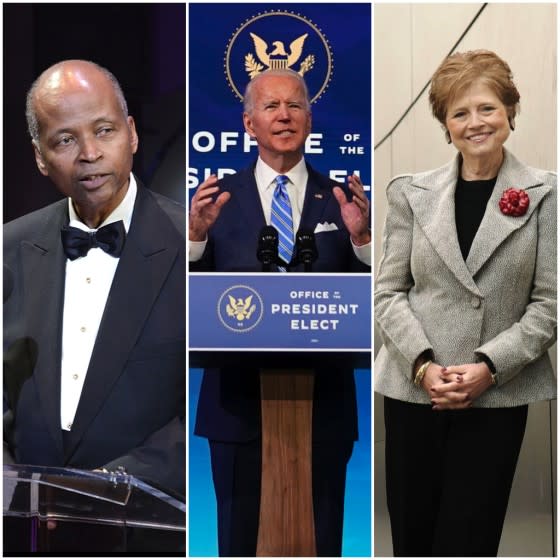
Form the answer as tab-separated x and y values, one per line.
280	312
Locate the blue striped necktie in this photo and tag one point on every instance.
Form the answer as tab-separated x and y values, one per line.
281	219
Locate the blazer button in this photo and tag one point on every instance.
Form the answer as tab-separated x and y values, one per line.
475	302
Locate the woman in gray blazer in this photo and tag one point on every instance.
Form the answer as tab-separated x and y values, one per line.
466	305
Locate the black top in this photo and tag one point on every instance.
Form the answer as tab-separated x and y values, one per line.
471	199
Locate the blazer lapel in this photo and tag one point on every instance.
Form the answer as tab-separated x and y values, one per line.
432	199
44	269
495	226
151	248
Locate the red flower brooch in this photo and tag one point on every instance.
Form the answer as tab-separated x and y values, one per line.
514	202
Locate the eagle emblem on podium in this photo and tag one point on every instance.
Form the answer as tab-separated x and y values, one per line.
276	57
240	308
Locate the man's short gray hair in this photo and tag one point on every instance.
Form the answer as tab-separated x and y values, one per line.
248	101
31	114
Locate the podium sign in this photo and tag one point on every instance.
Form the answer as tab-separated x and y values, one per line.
280	312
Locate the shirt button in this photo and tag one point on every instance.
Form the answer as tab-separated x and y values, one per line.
69	425
88	280
82	329
75	376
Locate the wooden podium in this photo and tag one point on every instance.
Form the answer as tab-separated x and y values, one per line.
286	526
240	320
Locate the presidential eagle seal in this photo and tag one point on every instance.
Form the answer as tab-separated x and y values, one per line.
240	308
274	40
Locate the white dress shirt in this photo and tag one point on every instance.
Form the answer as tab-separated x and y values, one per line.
88	281
265	177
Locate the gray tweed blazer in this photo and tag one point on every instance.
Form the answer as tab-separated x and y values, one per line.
500	302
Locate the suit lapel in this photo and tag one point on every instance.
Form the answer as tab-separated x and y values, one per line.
246	196
317	195
495	226
44	269
152	246
432	199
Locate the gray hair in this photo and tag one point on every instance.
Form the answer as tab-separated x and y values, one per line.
248	101
31	114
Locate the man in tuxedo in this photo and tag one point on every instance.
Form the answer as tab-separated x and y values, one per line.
225	219
94	328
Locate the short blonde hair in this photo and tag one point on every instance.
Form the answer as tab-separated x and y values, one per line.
459	70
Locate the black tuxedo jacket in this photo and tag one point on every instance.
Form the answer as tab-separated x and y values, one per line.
132	407
229	402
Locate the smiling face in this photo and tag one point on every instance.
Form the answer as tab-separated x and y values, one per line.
85	143
279	120
478	123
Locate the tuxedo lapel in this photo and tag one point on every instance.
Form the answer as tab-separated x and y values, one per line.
43	271
432	199
496	227
151	248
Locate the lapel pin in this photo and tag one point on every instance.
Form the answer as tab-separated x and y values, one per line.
514	202
318	195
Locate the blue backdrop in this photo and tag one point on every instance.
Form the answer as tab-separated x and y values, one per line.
203	539
331	45
339	42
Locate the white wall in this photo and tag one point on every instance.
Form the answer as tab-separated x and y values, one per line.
410	40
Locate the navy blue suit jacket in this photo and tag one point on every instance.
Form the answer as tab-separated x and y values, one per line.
229	402
232	241
132	408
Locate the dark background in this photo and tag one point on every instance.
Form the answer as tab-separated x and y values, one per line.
143	45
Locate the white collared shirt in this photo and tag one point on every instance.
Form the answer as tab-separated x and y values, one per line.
265	177
88	281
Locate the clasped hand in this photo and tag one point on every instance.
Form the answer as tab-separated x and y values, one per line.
456	387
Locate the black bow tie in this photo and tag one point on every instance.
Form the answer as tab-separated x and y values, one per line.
77	242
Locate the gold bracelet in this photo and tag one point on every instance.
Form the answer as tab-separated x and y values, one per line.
422	372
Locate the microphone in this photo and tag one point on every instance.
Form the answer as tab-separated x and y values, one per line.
267	247
306	249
